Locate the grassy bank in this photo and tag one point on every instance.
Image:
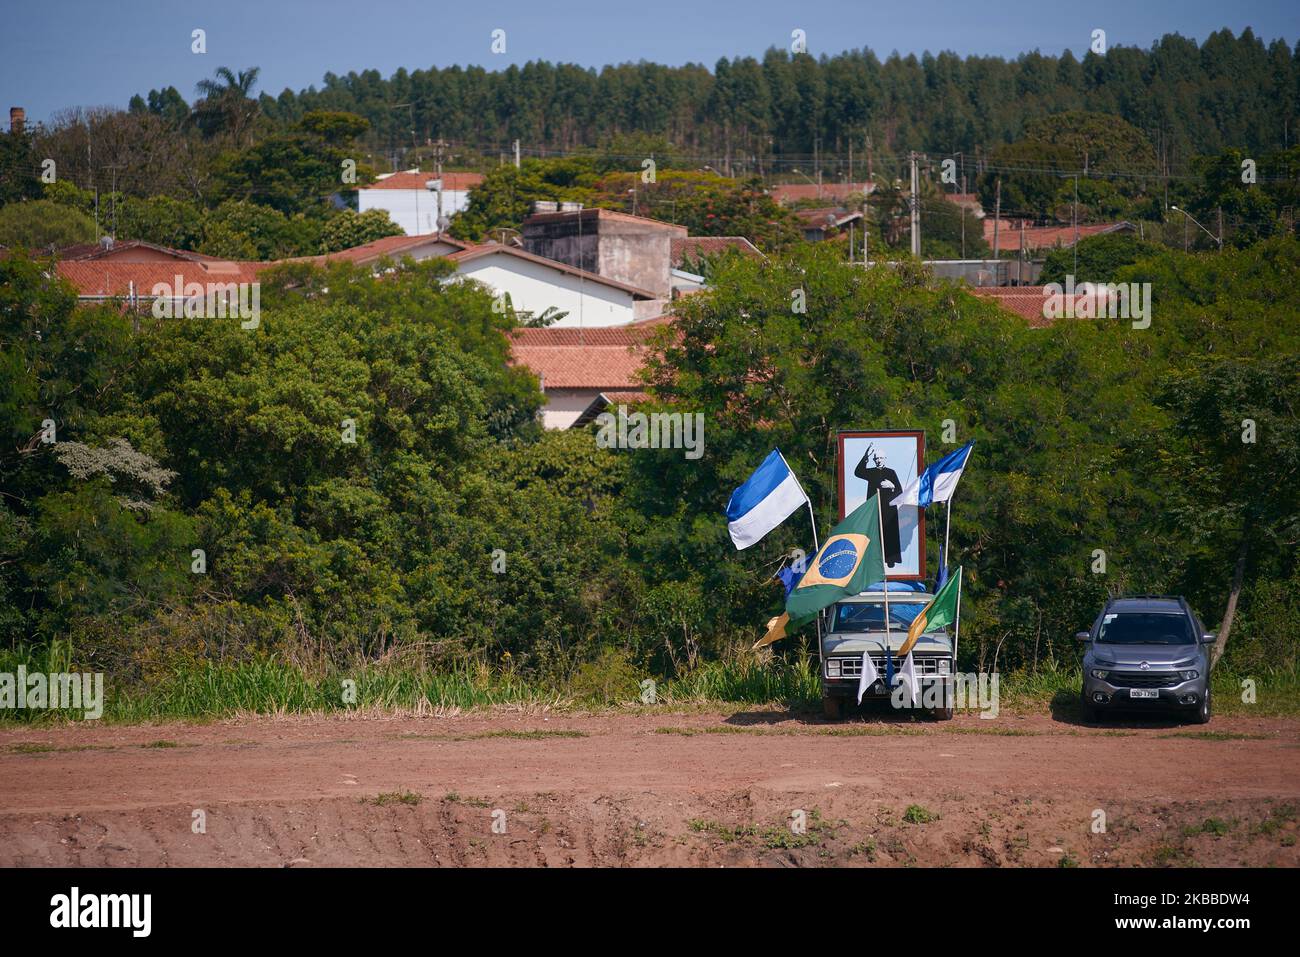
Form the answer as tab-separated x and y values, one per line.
272	686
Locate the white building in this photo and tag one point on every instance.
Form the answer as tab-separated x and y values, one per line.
412	203
535	284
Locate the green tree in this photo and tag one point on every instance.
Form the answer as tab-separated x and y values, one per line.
1100	258
1030	173
44	224
18	167
349	229
226	104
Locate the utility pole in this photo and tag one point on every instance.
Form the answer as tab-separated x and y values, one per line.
1220	229
997	216
1020	257
516	154
113	194
915	203
438	147
1075	216
817	152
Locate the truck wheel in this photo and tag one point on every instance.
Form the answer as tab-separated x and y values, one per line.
832	708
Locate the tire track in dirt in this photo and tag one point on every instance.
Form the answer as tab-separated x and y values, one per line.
632	789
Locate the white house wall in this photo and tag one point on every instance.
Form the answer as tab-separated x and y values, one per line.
414	210
533	287
565	406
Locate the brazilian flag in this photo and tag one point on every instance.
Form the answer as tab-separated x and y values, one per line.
850	560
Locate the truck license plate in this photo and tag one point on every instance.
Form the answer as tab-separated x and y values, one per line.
1143	693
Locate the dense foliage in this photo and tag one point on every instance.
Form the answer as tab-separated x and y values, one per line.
365	479
704	202
1187	97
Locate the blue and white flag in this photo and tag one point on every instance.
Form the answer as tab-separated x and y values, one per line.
937	482
770	496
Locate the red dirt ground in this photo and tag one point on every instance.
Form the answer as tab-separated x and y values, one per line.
650	789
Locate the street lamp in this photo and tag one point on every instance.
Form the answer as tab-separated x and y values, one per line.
435	186
1217	239
815	182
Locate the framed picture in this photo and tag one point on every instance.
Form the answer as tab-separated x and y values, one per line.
886	462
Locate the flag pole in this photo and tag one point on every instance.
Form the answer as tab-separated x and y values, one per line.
807	501
816	548
956	628
880	530
947	523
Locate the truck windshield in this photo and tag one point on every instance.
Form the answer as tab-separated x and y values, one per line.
1145	629
870	616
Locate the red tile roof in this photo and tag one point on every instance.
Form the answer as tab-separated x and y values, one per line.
581	367
1043	237
606	358
99	279
625	397
798	192
697	246
408	179
632	334
130	249
391	246
1025	301
818	218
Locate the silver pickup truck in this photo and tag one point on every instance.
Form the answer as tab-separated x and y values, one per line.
856	626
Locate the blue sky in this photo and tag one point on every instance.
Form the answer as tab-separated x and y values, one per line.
60	53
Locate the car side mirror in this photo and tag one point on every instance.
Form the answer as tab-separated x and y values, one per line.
1081	636
1209	638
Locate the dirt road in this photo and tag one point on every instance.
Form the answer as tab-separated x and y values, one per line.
748	788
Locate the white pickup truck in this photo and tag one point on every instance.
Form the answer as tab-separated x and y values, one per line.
856	625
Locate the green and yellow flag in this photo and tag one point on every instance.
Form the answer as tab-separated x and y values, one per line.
941	612
851	559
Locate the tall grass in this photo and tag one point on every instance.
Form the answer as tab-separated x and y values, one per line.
747	680
273	686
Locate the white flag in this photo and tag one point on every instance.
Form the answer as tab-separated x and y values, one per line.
869	675
907	674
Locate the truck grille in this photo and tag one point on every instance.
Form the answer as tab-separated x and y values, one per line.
1144	679
852	667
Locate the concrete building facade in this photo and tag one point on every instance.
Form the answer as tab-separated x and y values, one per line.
627	249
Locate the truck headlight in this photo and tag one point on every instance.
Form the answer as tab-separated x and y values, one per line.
832	668
1189	675
944	666
1099	673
